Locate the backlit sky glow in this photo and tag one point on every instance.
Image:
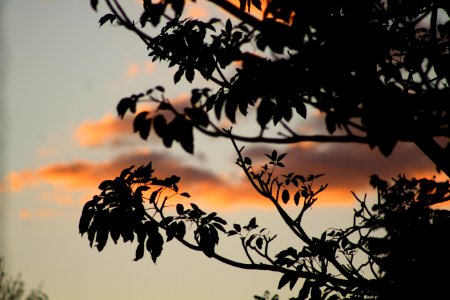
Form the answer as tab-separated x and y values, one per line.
63	77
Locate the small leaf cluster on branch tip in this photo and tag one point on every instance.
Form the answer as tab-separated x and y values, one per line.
193	46
179	128
120	210
207	225
108	17
267	181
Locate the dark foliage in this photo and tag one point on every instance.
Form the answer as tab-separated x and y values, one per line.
378	71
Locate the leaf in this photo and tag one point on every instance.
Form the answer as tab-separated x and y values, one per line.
177	6
284	280
106	185
219	226
190	74
178	75
102	237
237	227
181	229
160	125
141	124
171	231
185	195
330	122
154	245
106	18
125	172
304	291
164	222
300	107
252	224
293	282
180	209
297	198
387	145
259	242
198	116
94	4
228	26
285	196
139	252
124	105
186	136
152	198
265	112
282	155
232	232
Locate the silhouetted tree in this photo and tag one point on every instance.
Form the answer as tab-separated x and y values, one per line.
377	71
14	288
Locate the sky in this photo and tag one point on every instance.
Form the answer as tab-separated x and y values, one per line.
61	79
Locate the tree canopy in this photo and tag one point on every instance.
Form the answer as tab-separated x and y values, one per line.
377	71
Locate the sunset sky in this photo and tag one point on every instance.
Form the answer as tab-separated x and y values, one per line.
62	77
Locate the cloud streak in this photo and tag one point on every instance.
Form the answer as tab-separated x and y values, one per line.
349	166
203	185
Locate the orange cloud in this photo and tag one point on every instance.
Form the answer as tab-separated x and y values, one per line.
111	130
108	130
207	189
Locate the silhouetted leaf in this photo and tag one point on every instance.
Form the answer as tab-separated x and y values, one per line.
330	123
297	198
152	198
177	6
154	245
185	195
94	4
304	291
228	26
171	231
106	18
198	116
139	252
101	237
300	107
142	124
190	74
285	196
219	226
259	242
265	112
124	105
181	229
105	185
180	209
387	146
160	125
178	75
232	232
284	280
